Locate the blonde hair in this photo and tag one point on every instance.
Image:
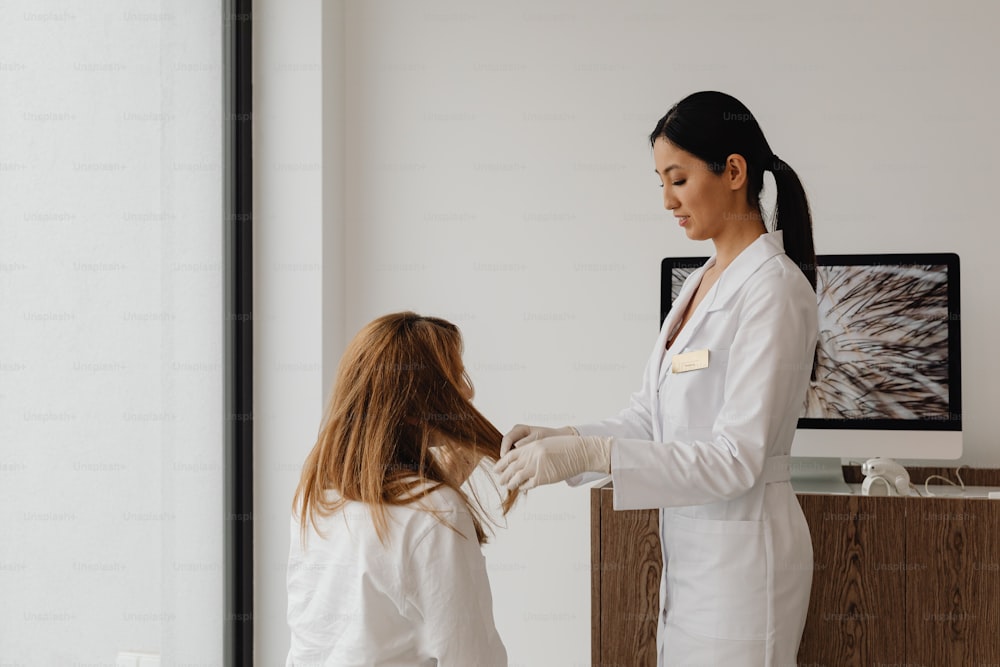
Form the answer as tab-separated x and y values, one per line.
398	393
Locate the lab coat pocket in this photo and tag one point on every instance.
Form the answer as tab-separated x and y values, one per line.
692	399
717	577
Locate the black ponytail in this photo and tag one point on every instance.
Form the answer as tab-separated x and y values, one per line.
792	217
712	126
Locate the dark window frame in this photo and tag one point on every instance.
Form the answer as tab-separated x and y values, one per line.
238	159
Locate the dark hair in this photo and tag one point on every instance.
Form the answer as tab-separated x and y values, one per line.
712	126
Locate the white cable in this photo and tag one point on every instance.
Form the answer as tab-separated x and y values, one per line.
961	483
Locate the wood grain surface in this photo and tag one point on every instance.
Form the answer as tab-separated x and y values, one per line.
630	568
856	608
596	601
953	584
896	581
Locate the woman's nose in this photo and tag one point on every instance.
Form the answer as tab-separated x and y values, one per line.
669	201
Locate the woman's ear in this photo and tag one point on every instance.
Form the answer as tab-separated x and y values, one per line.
735	171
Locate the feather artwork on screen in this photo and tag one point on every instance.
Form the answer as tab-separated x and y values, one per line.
883	343
888	348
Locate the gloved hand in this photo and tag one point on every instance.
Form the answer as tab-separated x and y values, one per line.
553	459
522	434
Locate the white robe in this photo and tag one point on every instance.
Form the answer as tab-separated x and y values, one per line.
710	448
421	599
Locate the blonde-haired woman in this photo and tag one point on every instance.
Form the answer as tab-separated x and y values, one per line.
385	566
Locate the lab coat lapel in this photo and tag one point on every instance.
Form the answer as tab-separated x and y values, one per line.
746	263
683	298
674	318
729	283
654	369
688	331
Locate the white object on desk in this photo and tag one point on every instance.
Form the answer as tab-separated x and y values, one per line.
822	475
885	477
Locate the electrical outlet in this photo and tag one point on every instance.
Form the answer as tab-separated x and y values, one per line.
137	659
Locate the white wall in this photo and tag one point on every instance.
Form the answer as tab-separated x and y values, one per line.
497	173
111	394
298	290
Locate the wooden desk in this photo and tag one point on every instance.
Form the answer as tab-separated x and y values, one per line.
896	581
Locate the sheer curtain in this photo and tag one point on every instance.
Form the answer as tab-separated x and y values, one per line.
111	332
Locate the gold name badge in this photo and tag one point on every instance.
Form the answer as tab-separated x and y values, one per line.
689	361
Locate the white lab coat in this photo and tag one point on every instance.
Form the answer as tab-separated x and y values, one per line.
422	599
710	448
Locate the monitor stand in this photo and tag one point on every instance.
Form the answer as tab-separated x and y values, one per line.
818	475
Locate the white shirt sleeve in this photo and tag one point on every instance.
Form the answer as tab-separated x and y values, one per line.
766	380
449	594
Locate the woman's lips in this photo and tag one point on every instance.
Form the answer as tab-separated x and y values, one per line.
682	220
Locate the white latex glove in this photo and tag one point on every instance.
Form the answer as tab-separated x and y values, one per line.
554	459
522	434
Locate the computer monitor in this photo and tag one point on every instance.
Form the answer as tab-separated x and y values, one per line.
888	380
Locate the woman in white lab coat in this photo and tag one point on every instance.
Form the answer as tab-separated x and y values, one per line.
385	567
707	436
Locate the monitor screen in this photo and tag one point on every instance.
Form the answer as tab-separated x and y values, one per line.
888	350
